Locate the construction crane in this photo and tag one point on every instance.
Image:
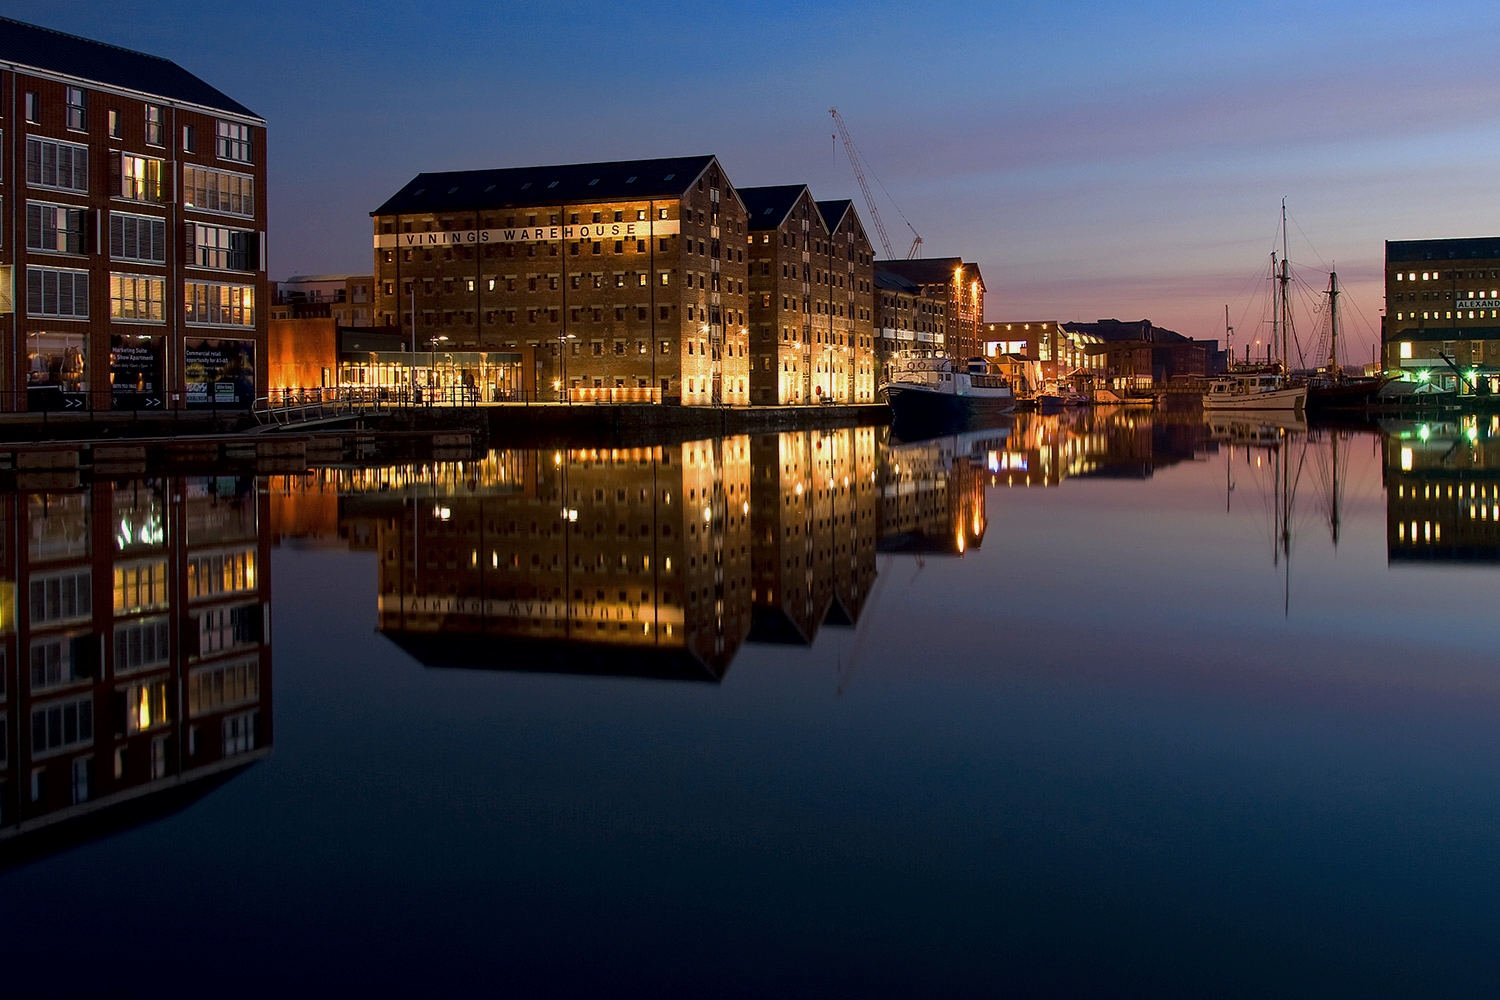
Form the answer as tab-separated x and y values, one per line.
859	175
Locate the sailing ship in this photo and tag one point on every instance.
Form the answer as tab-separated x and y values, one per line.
1258	388
935	393
1330	388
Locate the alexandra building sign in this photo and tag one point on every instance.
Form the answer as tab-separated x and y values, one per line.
644	229
1478	303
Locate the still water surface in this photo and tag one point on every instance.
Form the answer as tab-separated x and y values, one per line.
1105	703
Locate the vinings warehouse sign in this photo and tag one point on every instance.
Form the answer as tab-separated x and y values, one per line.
645	229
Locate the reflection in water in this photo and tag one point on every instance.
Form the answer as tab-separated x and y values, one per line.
1103	442
1443	491
662	561
136	672
633	561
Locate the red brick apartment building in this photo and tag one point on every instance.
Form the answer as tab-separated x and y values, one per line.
132	231
134	624
618	281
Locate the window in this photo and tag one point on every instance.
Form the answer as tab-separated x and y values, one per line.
225	249
146	706
221	629
137	237
218	191
78	112
140	645
59	165
52	663
80	770
213	689
137	297
1406	349
219	305
140	586
54	228
116	129
54	292
61	725
140	178
60	597
221	573
189	139
33	108
233	141
153	125
239	733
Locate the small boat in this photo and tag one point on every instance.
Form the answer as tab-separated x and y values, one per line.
937	393
1254	391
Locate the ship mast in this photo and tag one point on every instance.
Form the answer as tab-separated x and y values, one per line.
1275	308
1286	304
1333	322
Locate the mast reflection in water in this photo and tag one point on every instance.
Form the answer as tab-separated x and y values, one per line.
137	669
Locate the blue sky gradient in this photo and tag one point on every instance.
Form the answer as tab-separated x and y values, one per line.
1096	159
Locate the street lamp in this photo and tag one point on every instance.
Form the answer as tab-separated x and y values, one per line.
432	361
558	384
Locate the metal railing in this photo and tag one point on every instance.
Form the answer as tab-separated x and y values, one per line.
614	394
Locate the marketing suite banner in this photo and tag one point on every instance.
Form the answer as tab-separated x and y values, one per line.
135	373
220	373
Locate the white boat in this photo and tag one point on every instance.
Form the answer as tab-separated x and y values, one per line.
935	391
1256	391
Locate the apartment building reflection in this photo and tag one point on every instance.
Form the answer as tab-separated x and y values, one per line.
1442	491
608	561
137	671
813	521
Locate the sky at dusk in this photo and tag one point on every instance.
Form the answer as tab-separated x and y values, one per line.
1102	159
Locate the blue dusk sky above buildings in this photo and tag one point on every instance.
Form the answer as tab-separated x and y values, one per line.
1103	159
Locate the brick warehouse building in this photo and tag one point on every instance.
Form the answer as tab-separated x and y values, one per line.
132	231
956	284
811	299
620	281
1443	298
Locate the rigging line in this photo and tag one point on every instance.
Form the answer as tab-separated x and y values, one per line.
1246	292
867	166
1309	242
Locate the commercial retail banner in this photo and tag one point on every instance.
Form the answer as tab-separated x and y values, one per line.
135	373
220	373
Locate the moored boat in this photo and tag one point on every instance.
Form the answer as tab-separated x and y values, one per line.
936	392
1254	391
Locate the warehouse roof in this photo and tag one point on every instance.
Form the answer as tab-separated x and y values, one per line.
768	206
1404	251
42	48
833	212
508	187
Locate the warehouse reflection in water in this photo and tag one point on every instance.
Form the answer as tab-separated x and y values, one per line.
653	562
137	675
